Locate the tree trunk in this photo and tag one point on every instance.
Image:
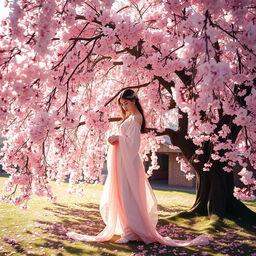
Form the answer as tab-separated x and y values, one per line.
215	187
214	195
214	190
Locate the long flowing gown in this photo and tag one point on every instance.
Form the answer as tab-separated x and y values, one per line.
128	205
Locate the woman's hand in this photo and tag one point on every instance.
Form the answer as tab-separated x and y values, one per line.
114	139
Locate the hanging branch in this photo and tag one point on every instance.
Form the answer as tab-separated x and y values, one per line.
70	49
129	87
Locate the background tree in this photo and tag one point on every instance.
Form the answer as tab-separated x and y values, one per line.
64	62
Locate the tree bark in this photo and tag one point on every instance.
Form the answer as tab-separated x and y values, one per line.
214	189
214	195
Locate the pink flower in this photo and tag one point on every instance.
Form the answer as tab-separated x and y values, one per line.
247	176
190	176
59	68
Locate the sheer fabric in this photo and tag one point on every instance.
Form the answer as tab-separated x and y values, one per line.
128	205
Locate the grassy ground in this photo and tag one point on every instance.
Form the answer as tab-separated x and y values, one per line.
40	230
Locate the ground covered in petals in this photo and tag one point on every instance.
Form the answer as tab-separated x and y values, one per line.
41	229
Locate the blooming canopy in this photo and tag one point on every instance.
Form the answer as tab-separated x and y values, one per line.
63	62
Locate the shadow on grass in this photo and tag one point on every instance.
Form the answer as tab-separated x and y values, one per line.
61	246
81	221
231	237
85	219
180	189
15	245
249	226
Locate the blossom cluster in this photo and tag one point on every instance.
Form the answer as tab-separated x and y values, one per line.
62	62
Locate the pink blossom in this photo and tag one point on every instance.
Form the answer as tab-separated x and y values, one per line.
227	169
61	64
247	176
243	194
190	176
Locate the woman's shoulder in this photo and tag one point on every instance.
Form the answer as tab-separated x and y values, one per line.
138	118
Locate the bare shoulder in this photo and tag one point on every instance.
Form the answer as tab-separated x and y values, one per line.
138	118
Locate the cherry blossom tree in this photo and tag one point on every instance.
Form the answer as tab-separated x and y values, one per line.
64	62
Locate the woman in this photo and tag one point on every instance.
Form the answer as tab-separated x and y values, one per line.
128	205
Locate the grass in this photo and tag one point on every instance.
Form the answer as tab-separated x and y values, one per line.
40	230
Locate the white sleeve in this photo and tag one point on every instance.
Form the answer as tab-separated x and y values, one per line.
130	143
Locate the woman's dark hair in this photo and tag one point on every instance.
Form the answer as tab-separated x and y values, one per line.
129	94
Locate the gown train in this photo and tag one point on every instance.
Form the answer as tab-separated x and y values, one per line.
128	205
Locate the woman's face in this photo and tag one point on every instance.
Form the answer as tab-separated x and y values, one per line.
127	105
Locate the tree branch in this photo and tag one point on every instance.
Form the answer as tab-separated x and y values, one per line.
129	87
71	48
169	132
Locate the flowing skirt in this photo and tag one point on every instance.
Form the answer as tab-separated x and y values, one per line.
128	205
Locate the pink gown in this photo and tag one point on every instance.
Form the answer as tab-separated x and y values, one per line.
128	205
